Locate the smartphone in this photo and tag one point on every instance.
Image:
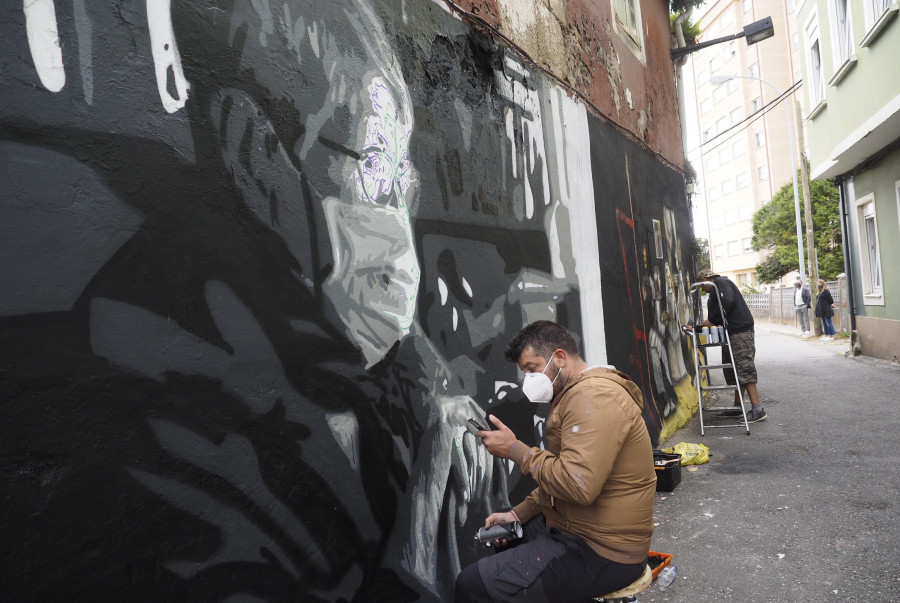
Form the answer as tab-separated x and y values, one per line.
474	426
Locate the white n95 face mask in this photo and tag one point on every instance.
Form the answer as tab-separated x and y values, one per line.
538	387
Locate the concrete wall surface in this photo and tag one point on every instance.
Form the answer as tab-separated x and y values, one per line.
261	261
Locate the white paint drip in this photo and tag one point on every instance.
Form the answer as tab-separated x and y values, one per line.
43	41
165	54
442	288
467	287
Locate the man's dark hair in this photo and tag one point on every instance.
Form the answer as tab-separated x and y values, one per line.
544	337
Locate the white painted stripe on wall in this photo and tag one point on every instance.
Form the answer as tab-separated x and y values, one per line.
44	43
165	54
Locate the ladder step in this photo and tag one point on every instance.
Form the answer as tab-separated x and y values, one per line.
714	366
723	408
739	424
707	388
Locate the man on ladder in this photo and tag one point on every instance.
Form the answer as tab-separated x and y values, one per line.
743	343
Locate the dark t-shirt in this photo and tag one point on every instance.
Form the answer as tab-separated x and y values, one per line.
736	311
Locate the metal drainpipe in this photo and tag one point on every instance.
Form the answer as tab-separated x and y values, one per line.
848	267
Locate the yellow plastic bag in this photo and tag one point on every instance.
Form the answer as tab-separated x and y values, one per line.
691	454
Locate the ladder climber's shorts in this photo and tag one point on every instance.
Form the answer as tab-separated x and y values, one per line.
743	347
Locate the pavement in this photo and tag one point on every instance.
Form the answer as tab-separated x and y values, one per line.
806	507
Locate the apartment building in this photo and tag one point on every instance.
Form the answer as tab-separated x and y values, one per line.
850	50
746	132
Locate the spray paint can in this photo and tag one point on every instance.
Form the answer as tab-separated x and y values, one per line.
506	531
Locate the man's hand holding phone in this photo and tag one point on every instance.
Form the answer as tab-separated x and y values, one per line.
497	440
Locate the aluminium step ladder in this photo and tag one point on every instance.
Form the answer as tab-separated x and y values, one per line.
701	364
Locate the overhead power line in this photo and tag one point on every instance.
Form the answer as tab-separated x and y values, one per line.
747	121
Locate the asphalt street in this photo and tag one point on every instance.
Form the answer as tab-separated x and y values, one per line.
804	508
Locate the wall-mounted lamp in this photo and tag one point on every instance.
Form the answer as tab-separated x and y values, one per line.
755	32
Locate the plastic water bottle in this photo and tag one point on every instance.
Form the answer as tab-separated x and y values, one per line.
666	577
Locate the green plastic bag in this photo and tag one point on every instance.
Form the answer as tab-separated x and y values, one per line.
691	454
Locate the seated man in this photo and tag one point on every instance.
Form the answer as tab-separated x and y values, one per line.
587	525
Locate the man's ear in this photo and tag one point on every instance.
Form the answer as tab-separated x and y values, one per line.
560	357
270	183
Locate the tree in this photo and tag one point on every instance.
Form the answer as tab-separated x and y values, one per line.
691	29
701	252
775	231
679	6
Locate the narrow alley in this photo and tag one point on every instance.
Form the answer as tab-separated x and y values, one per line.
804	508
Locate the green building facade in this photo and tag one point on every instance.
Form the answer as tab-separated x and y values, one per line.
852	99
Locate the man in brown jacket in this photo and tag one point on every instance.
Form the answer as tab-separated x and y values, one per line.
587	526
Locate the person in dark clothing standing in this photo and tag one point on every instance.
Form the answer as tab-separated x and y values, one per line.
738	321
825	310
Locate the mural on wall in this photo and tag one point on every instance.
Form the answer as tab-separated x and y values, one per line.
266	256
647	261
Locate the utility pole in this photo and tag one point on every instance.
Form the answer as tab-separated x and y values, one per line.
810	238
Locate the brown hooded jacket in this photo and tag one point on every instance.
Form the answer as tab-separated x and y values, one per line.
595	478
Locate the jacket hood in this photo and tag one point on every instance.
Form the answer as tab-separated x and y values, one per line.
613	375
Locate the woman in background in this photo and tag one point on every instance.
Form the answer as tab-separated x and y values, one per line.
825	310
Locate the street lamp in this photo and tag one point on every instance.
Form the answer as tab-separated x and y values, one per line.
755	32
721	79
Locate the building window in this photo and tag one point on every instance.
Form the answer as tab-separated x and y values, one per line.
753	70
732	85
875	11
726	19
762	172
746	6
742	180
843	31
739	148
727	186
715	63
713	193
869	253
734	247
701	77
745	212
729	52
814	65
730	217
747	244
759	138
628	20
724	156
705	106
736	116
795	41
721	125
715	222
718	93
755	105
719	251
706	135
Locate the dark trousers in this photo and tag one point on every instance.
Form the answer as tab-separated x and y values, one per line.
546	566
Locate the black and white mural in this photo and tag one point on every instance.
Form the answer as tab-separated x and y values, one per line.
260	262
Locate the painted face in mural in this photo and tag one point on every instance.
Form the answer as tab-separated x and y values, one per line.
375	278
